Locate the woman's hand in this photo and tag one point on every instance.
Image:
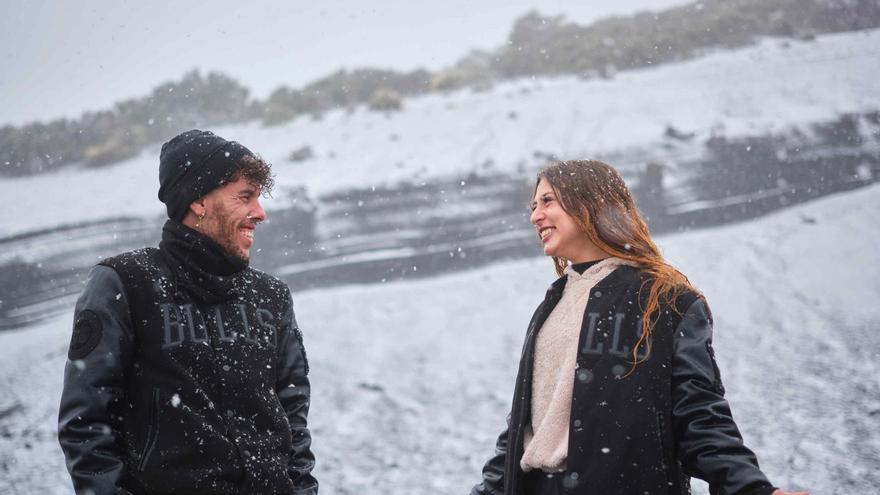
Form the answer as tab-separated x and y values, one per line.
780	492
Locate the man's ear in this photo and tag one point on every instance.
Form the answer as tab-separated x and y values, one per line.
198	207
196	211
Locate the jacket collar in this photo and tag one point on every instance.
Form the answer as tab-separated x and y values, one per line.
622	275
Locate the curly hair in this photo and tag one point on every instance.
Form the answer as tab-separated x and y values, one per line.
257	172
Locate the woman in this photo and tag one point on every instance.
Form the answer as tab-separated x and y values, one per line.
617	391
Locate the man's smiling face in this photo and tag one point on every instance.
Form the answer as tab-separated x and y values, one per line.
232	213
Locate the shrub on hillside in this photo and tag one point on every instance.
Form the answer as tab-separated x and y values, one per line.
385	100
342	89
474	70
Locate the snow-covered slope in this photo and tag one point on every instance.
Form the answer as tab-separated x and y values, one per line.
411	380
763	88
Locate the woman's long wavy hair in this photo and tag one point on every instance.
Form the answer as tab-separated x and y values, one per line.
594	195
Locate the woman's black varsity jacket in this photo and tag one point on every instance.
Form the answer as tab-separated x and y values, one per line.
643	433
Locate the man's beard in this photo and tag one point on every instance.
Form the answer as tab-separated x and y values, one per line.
227	235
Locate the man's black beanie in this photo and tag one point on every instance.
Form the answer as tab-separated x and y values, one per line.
192	164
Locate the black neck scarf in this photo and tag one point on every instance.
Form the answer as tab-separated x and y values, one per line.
199	265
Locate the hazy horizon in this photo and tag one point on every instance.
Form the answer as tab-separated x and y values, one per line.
62	59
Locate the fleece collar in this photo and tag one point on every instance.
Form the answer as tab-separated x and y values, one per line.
621	274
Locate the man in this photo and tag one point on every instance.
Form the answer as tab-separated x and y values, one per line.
186	371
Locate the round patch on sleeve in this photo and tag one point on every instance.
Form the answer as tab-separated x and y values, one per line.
87	332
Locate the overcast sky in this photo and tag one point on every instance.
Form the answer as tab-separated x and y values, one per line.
61	58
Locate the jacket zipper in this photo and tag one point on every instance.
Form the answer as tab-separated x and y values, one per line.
153	432
663	458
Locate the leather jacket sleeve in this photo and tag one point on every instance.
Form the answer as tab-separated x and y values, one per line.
292	387
709	443
94	379
493	471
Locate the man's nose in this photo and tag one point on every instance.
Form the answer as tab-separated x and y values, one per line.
258	213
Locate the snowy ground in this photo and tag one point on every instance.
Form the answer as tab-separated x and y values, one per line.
411	380
764	88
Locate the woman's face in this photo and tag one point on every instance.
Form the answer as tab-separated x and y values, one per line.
559	233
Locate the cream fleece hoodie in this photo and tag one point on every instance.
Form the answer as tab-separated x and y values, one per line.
546	438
